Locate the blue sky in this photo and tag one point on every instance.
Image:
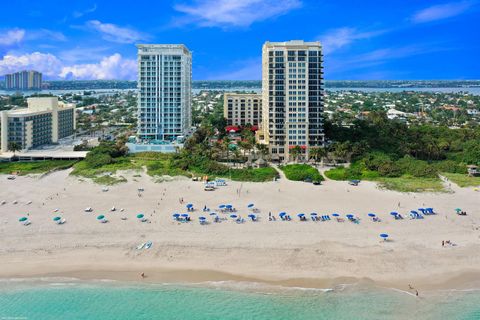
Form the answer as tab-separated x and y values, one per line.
362	40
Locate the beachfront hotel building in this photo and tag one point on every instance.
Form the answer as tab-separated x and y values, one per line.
23	80
241	109
43	122
165	91
293	97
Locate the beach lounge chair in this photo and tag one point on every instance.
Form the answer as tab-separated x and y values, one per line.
61	221
26	222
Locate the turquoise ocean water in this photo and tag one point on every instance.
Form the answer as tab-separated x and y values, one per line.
72	299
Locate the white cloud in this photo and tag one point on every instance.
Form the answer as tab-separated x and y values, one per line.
238	13
78	14
11	37
338	38
110	67
45	34
441	11
114	33
46	63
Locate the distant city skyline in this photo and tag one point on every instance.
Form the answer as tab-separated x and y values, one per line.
89	40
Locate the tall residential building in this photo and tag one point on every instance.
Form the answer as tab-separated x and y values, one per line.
23	80
165	91
45	121
292	88
242	108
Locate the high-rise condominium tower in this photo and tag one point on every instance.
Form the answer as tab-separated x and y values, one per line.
292	86
23	80
164	84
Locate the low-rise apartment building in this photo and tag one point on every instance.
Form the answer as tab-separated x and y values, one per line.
241	109
43	122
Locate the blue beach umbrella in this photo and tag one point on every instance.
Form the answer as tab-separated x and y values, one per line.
233	216
393	213
413	211
314	214
384	236
221	206
212	213
300	214
282	213
251	205
184	215
189	205
56	218
252	216
229	206
176	215
349	216
202	218
371	215
336	215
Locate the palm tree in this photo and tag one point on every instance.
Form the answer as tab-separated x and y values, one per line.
14	147
318	153
262	148
295	152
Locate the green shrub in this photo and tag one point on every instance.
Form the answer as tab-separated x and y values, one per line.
336	174
450	166
300	172
98	160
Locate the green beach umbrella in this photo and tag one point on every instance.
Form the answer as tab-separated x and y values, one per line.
22	219
458	209
56	218
101	217
140	216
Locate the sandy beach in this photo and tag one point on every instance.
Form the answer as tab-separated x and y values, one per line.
292	253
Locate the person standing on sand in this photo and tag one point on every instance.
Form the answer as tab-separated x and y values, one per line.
142	275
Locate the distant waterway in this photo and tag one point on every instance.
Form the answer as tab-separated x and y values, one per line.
470	90
98	92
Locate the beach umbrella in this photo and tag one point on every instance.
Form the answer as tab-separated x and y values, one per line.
101	217
384	236
56	218
252	216
221	206
184	215
393	213
233	216
282	213
229	206
300	214
189	205
414	212
314	214
140	216
202	218
176	215
22	219
371	215
336	215
212	213
458	210
251	205
349	216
